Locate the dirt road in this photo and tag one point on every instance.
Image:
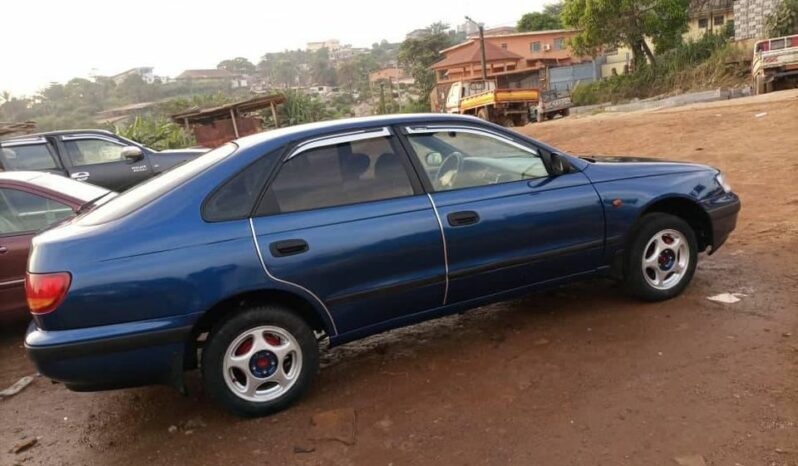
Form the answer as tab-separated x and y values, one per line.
577	376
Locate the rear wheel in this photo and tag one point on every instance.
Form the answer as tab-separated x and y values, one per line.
259	361
662	257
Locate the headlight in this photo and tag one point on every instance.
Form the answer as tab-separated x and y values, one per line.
722	182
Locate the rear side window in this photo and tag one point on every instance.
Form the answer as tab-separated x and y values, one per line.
28	157
236	198
346	173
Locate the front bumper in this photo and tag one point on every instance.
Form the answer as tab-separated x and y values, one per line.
113	356
723	211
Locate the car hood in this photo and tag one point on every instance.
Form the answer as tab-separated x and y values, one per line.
610	168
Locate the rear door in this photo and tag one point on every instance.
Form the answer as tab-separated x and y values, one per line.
346	218
508	224
22	214
98	160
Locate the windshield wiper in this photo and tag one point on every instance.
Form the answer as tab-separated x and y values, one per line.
88	205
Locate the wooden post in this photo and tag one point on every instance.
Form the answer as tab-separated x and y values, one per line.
274	114
185	122
235	126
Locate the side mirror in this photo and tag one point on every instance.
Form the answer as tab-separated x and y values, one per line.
132	153
558	164
434	159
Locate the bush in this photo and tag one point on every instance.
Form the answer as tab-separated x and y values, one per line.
157	133
708	62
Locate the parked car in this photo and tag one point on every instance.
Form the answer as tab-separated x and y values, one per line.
99	157
30	202
241	260
775	64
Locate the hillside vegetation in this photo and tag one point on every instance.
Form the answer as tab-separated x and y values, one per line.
710	62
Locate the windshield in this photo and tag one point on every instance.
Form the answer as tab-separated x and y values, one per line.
144	193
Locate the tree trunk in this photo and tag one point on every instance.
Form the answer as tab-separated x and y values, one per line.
648	52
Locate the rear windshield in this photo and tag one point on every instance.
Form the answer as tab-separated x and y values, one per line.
146	192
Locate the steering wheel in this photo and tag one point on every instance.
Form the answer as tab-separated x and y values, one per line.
447	172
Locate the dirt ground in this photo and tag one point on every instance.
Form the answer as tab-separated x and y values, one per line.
581	375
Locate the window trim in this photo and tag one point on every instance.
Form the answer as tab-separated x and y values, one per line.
426	129
341	138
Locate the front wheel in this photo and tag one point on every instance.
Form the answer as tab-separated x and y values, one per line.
259	361
662	257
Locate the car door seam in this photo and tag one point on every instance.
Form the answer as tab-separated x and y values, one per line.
445	251
286	282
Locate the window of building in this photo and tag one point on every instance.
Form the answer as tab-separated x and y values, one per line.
27	157
534	46
703	23
559	43
717	20
504	46
347	173
21	211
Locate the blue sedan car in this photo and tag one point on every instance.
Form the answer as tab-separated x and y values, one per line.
241	261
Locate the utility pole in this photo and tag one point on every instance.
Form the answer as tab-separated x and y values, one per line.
481	46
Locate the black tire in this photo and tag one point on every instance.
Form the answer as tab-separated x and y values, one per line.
227	331
635	282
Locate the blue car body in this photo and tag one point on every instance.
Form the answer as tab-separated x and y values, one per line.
150	273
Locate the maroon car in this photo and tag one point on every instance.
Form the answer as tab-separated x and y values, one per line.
30	202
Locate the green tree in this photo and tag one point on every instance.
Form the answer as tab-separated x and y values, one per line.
549	18
238	65
784	19
416	56
610	23
156	132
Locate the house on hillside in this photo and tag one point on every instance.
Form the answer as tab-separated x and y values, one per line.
218	76
749	18
709	16
514	60
144	72
392	74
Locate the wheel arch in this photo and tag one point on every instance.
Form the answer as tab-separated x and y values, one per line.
685	208
231	305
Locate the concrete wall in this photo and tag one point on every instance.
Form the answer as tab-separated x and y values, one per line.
565	77
749	18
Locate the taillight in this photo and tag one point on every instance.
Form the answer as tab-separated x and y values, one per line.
45	291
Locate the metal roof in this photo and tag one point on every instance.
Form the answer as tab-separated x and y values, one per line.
223	111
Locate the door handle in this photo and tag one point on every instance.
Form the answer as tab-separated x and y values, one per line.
466	217
288	247
3	249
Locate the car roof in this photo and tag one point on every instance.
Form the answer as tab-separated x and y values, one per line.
283	135
57	133
20	176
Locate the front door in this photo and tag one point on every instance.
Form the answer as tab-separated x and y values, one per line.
346	218
508	223
99	161
22	214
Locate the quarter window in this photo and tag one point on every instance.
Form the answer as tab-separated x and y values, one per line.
455	159
93	151
21	211
28	157
346	173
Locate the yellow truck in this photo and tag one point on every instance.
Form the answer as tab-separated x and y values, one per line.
508	107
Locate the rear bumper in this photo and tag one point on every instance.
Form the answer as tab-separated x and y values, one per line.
722	212
112	356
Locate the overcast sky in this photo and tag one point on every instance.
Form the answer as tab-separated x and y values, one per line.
54	40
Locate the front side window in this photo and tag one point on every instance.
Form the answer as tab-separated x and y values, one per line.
28	157
93	151
458	158
22	211
340	174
